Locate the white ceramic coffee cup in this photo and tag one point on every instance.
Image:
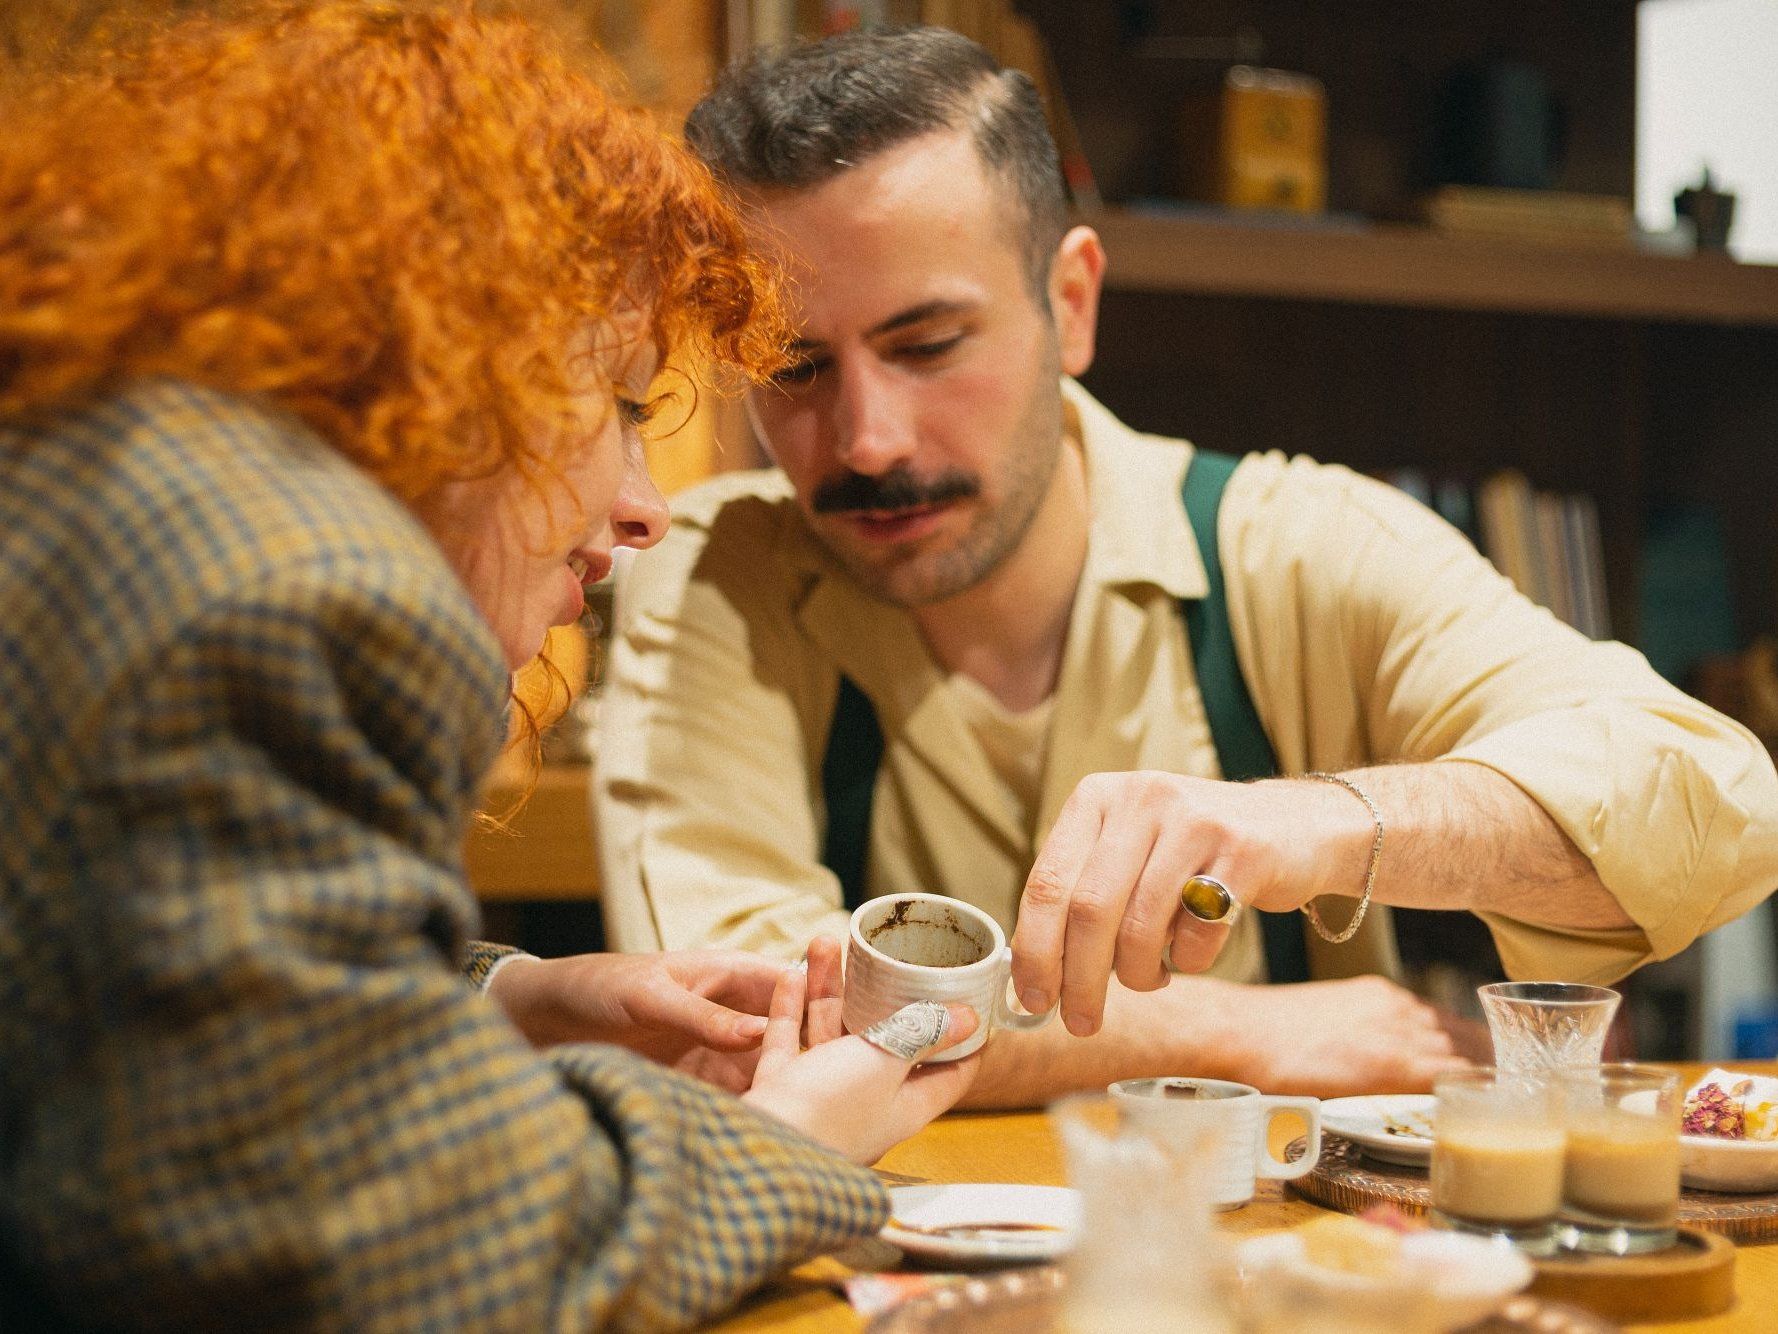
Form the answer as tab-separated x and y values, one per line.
1237	1117
914	947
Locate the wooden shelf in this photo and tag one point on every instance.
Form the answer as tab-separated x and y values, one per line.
547	852
1407	266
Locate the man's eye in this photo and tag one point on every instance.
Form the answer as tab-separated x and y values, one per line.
936	348
635	413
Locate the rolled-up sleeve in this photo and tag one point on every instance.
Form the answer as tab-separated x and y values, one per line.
1374	632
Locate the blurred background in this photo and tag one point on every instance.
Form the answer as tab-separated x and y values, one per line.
1518	257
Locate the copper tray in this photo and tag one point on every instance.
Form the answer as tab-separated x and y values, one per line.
1350	1180
1029	1301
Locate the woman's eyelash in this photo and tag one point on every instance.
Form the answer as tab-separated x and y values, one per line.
634	412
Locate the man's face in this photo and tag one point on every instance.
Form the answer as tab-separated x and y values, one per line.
922	421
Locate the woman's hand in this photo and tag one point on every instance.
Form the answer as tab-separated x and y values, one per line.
842	1091
700	1011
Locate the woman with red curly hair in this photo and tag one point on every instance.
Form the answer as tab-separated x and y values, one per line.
325	333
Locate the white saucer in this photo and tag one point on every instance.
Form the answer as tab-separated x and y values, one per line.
1049	1215
1391	1127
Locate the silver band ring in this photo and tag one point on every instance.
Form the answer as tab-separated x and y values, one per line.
912	1031
1208	899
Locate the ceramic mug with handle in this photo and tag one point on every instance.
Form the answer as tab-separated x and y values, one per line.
913	947
1236	1117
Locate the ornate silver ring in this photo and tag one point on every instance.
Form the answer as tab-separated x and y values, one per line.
912	1031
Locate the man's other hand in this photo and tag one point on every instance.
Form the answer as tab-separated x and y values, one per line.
1332	1039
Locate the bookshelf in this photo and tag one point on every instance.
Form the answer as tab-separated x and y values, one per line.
1636	379
1642	379
1393	265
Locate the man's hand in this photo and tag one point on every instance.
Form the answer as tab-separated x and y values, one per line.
700	1011
1361	1035
1103	895
1332	1039
842	1091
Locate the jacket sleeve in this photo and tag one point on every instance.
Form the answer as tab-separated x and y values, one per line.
282	1104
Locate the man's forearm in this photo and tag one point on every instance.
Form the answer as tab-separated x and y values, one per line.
1355	1035
1467	837
1145	1033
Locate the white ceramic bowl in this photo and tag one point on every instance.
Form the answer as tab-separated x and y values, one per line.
1741	1166
1446	1281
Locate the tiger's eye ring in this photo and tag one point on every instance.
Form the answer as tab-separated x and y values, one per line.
1208	899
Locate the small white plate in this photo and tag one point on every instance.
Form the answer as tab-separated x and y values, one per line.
1393	1127
983	1223
1740	1166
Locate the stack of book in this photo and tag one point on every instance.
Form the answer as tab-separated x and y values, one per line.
1547	544
1552	216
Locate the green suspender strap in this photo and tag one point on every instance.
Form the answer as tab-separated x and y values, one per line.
855	740
848	782
1242	750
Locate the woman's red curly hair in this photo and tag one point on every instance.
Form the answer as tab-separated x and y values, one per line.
394	219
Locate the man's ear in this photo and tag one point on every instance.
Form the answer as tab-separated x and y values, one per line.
1076	273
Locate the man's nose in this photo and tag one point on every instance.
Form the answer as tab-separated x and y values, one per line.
872	426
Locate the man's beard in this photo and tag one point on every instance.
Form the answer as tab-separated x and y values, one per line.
1026	471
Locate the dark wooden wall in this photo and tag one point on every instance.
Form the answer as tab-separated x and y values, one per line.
1125	66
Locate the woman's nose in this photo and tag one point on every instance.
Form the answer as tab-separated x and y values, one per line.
639	515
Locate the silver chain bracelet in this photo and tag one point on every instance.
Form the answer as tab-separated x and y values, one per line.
1370	873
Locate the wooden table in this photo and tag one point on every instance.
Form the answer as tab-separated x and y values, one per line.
1019	1147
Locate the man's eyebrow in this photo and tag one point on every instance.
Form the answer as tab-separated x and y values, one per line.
916	314
902	319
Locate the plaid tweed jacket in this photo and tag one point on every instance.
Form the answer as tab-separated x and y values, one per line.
243	1085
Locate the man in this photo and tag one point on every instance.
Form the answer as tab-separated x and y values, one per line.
1005	574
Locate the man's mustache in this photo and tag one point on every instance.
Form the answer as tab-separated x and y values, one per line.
897	489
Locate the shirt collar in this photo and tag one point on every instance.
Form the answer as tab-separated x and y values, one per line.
1138	530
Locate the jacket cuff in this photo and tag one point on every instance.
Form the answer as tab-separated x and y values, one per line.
483	959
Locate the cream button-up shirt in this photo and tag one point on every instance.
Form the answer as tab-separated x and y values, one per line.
1368	630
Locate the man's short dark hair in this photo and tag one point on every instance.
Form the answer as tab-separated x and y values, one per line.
792	119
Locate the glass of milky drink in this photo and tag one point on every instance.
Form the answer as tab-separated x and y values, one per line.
1620	1180
1497	1157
